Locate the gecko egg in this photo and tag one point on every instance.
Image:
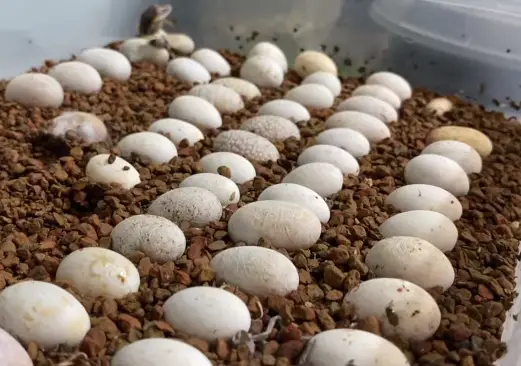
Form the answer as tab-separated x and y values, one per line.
139	49
149	145
224	188
212	61
439	106
105	168
88	127
247	144
11	351
196	111
188	70
350	140
324	178
262	71
393	81
380	92
273	128
330	154
311	96
240	168
284	108
472	137
77	76
269	50
226	100
180	42
465	155
246	89
309	62
177	130
34	90
370	105
108	62
371	127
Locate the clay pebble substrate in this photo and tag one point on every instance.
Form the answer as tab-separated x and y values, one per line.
49	210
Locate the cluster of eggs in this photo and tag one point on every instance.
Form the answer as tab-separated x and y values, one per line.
407	261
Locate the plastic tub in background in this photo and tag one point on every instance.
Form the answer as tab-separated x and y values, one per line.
467	47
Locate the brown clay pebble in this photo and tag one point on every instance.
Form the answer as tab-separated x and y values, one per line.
49	209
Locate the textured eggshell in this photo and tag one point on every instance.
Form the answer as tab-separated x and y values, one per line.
100	170
244	88
262	71
212	61
241	169
88	127
439	106
438	171
247	144
35	90
330	154
150	145
300	195
207	313
180	42
177	130
11	351
350	140
188	70
477	139
333	347
285	224
432	226
256	270
274	128
44	313
224	188
395	82
370	105
465	155
196	205
108	62
226	100
159	352
380	92
98	271
288	109
311	96
411	259
196	111
327	79
323	178
412	310
272	51
139	49
77	76
425	197
309	62
371	127
159	238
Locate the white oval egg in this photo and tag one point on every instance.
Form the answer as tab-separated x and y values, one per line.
395	82
104	168
212	61
11	351
439	106
98	271
244	88
241	169
224	188
270	50
465	155
180	42
262	71
196	111
323	178
247	144
159	352
284	108
159	238
333	347
150	145
472	137
311	96
403	308
256	270
196	205
327	79
330	154
207	313
108	62
298	194
438	171
285	224
309	62
88	127
371	127
411	259
35	311
77	76
177	130
370	105
274	128
35	90
350	140
380	92
139	49
432	226
425	197
188	70
226	100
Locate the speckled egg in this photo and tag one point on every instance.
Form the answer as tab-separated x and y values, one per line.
273	128
247	144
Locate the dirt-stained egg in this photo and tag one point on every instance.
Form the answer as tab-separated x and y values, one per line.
109	168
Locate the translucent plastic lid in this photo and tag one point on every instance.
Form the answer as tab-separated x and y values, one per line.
484	30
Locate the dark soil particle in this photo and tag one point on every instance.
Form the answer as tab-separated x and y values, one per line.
48	209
